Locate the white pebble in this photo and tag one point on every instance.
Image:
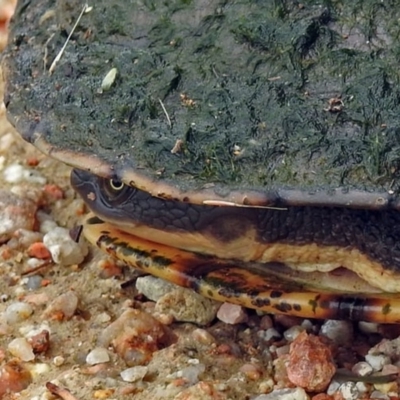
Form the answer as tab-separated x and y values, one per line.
19	291
282	350
284	394
98	355
332	388
232	314
266	386
47	224
292	333
28	192
340	332
271	333
134	374
102	318
362	387
362	369
17	312
29	330
38	369
15	213
21	348
26	237
67	303
349	391
377	361
376	394
63	249
16	173
34	263
58	361
202	336
191	373
153	288
307	325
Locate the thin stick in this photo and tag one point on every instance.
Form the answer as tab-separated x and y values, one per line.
38	268
165	112
60	392
59	55
46	51
232	204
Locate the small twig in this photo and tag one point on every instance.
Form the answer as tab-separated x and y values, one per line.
274	78
214	72
165	112
224	203
38	268
46	51
60	392
59	55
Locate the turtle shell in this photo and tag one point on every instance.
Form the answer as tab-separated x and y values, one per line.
254	103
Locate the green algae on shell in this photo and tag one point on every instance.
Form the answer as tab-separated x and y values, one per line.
246	86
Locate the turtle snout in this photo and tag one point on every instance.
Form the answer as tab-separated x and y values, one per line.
82	183
76	178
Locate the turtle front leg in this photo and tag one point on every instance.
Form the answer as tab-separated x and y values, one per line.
225	280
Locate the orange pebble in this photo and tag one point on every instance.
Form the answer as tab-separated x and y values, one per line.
14	377
32	161
6	253
109	269
39	250
223	349
81	210
179	382
322	396
57	315
54	192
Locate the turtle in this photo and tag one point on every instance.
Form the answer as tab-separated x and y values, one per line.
248	150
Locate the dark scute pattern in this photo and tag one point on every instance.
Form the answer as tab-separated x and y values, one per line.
374	233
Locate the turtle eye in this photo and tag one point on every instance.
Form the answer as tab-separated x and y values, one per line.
114	190
116	185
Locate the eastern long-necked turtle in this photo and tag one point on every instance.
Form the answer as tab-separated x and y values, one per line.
247	149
